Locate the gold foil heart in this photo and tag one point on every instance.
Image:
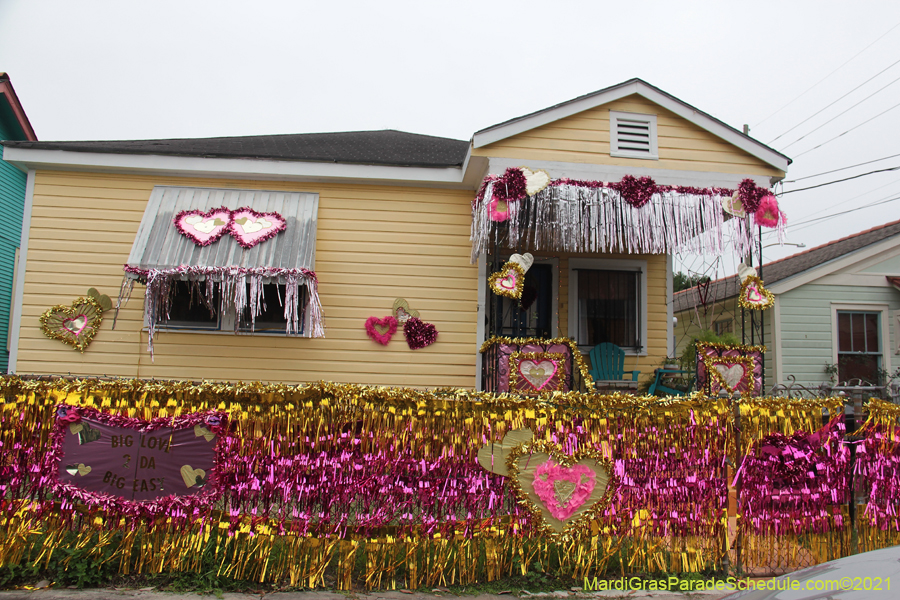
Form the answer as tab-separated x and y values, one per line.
193	477
200	431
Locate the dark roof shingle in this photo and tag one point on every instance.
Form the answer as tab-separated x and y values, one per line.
386	147
778	270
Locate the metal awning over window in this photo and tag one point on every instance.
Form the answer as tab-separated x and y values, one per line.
239	261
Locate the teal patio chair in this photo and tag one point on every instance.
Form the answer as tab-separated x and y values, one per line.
664	378
608	363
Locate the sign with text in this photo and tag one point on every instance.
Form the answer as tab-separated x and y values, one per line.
134	463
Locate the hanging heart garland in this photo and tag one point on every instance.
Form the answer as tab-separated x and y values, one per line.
203	228
753	295
508	281
563	492
381	330
75	325
419	334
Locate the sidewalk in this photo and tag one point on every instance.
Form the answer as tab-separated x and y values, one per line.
115	594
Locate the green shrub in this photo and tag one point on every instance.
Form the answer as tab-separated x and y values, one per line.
688	359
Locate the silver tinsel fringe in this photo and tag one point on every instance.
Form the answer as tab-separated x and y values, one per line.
232	284
571	218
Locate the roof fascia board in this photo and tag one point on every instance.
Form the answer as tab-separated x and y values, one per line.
6	89
233	168
681	109
836	264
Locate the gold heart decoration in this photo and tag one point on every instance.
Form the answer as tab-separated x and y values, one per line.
754	296
508	281
80	468
193	477
564	492
492	456
402	311
75	325
75	428
200	431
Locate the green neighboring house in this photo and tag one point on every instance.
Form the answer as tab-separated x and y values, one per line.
836	304
14	125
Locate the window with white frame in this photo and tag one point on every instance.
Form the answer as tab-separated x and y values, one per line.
859	349
633	135
608	303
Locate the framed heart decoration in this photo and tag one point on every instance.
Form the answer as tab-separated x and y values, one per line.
508	281
536	372
203	228
734	368
563	492
75	325
754	296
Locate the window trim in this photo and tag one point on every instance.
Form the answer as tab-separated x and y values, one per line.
614	150
884	330
605	264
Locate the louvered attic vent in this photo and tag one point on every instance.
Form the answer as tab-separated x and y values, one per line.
632	135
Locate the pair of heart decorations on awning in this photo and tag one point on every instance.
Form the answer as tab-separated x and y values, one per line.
245	225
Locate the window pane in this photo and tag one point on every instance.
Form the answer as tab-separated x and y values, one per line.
872	332
858	366
607	307
859	332
188	308
844	342
272	316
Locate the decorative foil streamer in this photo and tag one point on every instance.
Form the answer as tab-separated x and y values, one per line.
631	216
384	485
232	283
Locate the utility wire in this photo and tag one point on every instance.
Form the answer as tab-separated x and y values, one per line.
868	162
841	113
826	77
812	187
833	103
846	132
808	221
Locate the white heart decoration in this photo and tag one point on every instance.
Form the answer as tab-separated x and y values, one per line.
538	373
732	375
535	181
523	260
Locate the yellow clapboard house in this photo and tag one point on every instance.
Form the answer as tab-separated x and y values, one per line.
370	218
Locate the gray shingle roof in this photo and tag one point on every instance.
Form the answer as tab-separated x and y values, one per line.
386	147
778	270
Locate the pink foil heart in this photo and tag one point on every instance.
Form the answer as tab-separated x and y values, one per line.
563	490
203	228
381	330
419	333
250	228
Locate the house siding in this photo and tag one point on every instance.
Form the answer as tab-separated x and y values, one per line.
374	244
12	201
584	138
806	325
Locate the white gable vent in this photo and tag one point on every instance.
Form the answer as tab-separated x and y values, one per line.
632	135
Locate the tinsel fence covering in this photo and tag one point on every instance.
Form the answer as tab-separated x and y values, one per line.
382	486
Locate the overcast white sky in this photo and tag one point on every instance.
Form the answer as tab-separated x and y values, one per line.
161	69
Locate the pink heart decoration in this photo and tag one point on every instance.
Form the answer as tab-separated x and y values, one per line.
203	228
419	333
538	373
754	295
381	330
563	490
250	228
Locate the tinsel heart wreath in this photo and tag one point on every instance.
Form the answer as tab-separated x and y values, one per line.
381	330
75	325
562	491
419	333
203	228
508	281
636	191
754	296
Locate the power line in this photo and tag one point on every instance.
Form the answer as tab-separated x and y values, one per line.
827	76
846	132
841	113
833	103
868	162
808	221
812	187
